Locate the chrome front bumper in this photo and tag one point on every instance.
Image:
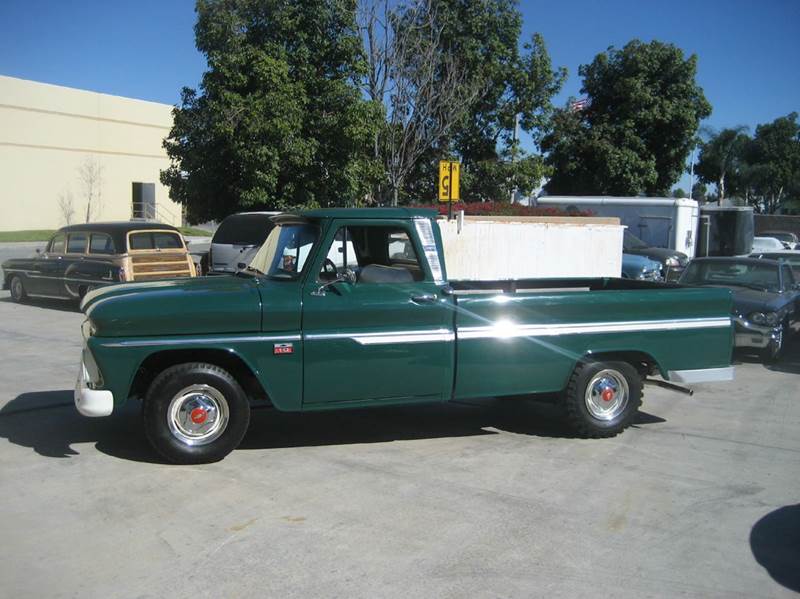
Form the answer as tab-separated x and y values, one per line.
91	402
748	334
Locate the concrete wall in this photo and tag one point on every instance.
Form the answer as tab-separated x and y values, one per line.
49	133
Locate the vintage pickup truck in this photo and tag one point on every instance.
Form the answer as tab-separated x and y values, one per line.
345	308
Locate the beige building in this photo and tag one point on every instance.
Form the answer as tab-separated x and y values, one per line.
64	151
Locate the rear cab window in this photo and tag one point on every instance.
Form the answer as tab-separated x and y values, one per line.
154	240
244	229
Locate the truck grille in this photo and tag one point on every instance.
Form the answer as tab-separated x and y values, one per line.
160	266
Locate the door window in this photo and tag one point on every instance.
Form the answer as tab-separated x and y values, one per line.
101	243
76	243
376	254
57	244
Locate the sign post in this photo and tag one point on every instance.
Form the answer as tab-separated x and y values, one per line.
449	184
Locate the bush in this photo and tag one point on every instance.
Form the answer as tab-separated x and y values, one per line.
503	209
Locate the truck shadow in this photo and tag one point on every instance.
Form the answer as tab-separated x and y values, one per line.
48	423
788	362
46	304
775	543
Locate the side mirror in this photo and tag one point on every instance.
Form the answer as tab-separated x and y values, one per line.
348	276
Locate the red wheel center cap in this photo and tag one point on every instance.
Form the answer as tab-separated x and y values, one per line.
199	415
607	394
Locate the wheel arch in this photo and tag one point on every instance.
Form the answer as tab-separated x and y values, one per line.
643	362
237	366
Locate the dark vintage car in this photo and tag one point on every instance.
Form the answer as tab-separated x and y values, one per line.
672	261
79	258
792	258
765	298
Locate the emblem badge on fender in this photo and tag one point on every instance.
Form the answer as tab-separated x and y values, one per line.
283	348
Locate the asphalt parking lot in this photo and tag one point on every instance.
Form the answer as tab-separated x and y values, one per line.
486	499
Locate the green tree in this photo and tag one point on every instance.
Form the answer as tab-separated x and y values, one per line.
773	159
278	120
699	192
721	160
634	133
679	193
503	83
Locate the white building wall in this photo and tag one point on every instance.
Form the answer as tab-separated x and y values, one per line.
48	133
558	248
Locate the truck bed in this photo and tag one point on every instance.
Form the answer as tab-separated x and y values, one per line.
525	336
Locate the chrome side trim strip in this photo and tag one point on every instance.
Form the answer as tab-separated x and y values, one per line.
195	340
703	375
386	338
505	330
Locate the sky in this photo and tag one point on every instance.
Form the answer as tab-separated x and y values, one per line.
748	50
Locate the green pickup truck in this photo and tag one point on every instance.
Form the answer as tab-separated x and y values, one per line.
345	308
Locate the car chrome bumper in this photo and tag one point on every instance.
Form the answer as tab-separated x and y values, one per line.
91	402
748	334
702	375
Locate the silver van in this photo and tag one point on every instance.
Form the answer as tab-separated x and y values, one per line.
237	240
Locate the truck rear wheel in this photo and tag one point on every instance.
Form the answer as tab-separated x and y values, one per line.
195	413
602	398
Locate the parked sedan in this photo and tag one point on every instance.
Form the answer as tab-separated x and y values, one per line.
765	298
787	238
79	258
767	244
672	261
791	258
639	267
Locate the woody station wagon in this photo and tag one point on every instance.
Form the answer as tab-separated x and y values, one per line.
79	258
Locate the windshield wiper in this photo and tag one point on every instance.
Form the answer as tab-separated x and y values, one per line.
249	271
749	286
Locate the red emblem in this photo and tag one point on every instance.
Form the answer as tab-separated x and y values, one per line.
283	348
198	415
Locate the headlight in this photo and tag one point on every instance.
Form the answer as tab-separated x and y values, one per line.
672	261
765	318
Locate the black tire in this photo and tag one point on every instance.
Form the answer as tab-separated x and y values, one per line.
84	289
174	392
17	287
584	414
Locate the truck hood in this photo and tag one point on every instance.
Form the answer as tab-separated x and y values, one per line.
191	306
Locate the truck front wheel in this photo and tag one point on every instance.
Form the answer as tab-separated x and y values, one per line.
195	413
602	398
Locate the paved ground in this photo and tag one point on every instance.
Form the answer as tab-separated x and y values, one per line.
490	499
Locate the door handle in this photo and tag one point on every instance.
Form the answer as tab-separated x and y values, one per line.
425	298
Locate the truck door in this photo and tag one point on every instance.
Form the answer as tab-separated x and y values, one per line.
385	336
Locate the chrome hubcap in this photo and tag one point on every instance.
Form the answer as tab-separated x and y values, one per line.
607	395
197	415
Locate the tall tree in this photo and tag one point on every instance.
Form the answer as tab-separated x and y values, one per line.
499	84
634	132
278	120
721	160
774	162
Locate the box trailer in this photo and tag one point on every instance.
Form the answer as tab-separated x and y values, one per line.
660	222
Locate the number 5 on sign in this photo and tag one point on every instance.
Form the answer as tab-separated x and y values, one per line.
449	181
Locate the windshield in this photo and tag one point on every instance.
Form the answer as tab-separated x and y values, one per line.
631	242
244	229
739	274
286	250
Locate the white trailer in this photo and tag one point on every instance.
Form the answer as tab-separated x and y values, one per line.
659	222
531	247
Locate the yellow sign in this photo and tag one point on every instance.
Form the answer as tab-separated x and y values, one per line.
449	181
